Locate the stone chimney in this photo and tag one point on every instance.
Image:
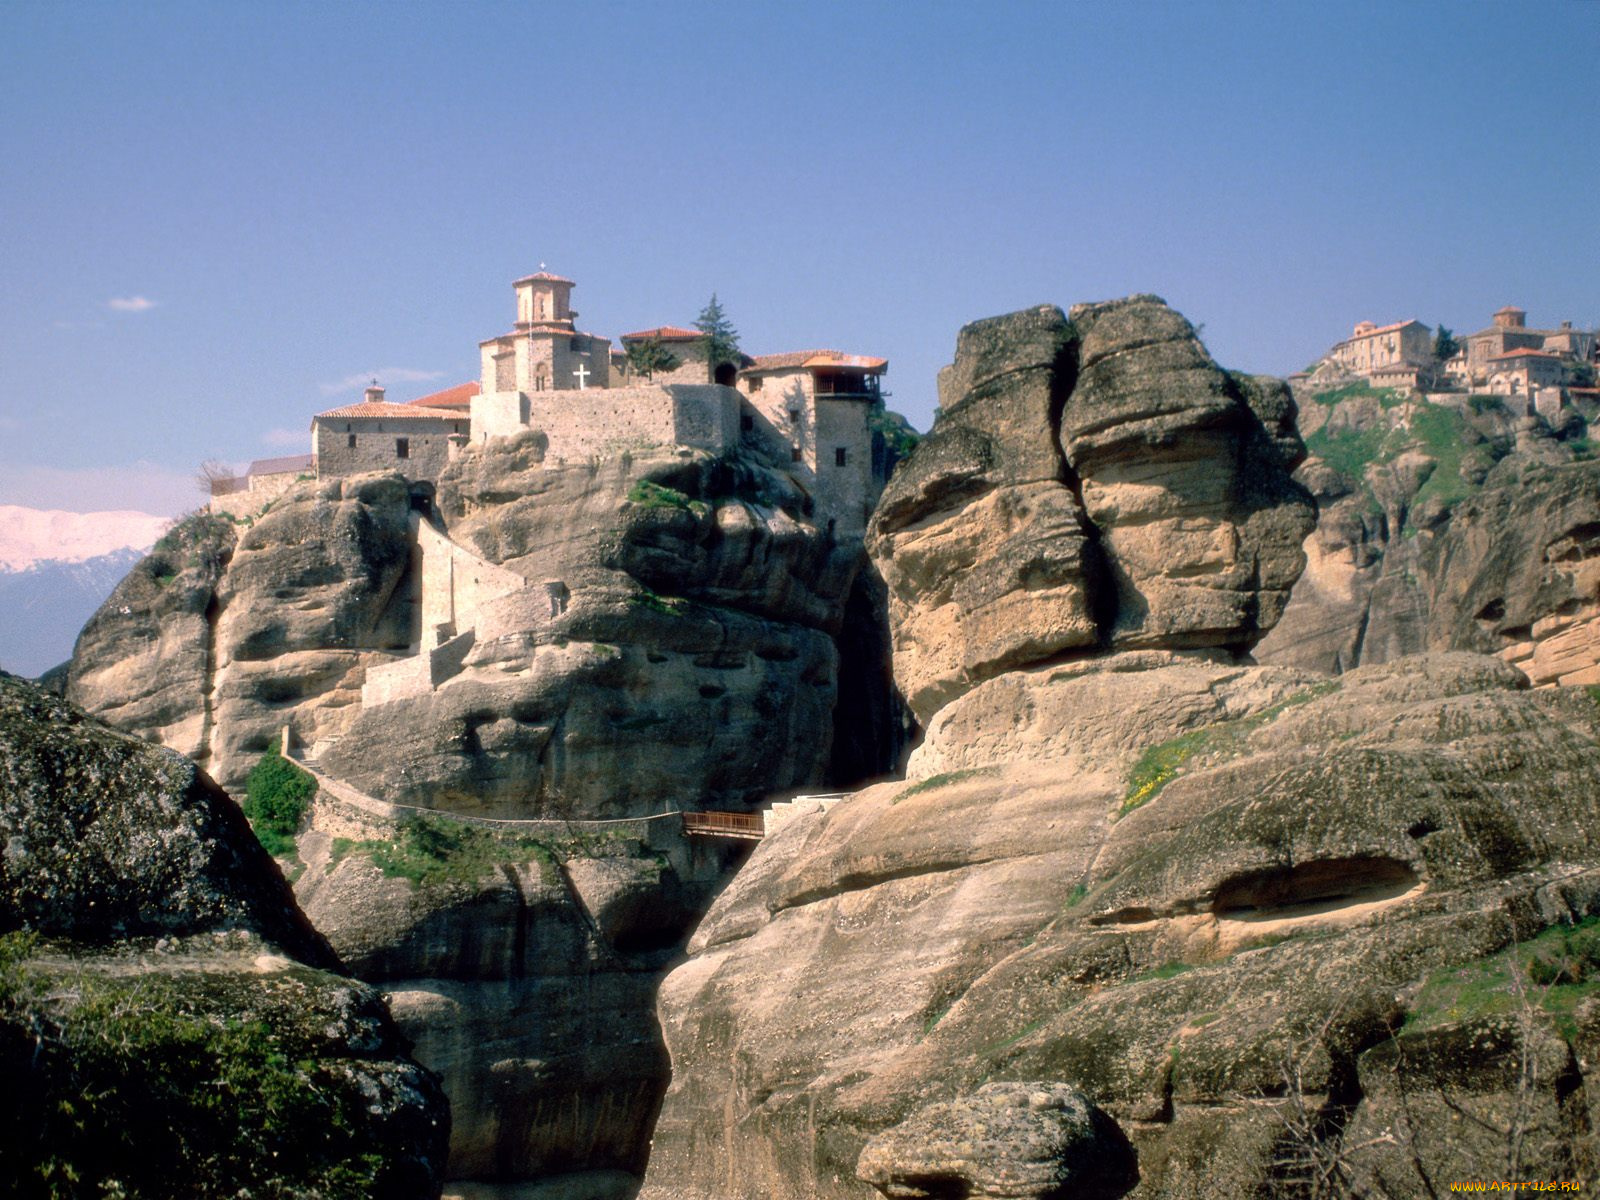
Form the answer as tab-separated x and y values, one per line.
374	394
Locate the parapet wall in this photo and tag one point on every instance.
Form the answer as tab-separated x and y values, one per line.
604	422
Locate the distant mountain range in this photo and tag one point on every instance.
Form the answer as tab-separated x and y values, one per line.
56	569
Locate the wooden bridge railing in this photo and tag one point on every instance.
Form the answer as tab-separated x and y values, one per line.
724	824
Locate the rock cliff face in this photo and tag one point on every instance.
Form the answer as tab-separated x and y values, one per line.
1446	526
166	1011
1254	918
620	638
1094	483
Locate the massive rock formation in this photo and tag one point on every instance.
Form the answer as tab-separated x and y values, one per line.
1277	928
1451	524
1094	483
528	640
168	1017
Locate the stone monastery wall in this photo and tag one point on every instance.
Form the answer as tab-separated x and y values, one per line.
603	422
456	584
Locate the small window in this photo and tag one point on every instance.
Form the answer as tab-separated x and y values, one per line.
351	442
747	422
794	416
402	447
840	456
794	453
755	382
576	345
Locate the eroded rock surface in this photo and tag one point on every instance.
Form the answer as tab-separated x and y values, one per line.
166	1011
1092	483
1457	524
1006	1139
627	637
1296	901
1258	916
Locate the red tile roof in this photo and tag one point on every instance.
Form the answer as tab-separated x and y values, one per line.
667	333
815	359
459	396
393	412
1385	329
281	466
542	277
1525	353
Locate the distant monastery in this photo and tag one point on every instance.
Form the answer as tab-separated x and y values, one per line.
807	410
1505	359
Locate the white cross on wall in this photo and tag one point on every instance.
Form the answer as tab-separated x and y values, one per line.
582	376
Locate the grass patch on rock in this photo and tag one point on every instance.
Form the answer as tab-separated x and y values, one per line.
1551	974
430	851
649	494
1160	764
144	1085
945	779
670	606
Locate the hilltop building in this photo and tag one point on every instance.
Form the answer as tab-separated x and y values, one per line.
1398	349
263	482
807	411
1486	352
690	347
1507	358
375	435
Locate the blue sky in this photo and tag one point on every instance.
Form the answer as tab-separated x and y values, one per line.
216	219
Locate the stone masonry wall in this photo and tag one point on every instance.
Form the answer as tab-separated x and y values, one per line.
603	422
455	584
843	491
428	444
263	490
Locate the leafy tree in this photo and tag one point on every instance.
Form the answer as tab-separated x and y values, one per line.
1445	346
649	356
723	338
277	794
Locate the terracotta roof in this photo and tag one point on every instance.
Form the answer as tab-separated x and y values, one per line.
667	333
1527	353
459	396
815	359
542	328
281	466
542	277
392	412
1385	329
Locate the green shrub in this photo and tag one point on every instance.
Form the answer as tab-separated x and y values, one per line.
434	849
150	1087
277	794
649	494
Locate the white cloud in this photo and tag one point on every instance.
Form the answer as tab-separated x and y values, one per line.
384	375
130	304
299	438
146	486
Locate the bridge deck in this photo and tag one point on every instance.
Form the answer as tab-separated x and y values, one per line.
724	825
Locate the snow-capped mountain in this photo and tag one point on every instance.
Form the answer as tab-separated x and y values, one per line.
30	535
56	568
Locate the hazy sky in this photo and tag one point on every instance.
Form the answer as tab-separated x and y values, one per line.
218	219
